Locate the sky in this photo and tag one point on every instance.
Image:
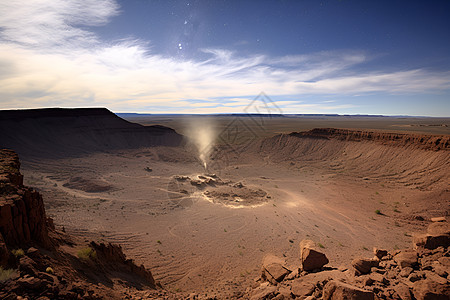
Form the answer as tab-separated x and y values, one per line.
153	56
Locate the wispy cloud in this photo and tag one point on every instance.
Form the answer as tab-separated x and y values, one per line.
49	57
56	23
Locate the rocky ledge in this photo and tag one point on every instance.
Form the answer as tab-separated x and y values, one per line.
422	272
428	142
22	213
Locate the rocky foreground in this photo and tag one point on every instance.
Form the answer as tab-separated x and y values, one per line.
422	272
37	262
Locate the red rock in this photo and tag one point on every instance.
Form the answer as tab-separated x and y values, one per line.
415	276
445	261
364	265
406	258
273	269
264	291
302	288
430	242
376	277
439	228
112	257
30	283
22	213
380	253
428	289
27	265
435	277
311	258
438	235
405	271
416	140
403	291
336	290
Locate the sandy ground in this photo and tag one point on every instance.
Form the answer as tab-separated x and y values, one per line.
211	239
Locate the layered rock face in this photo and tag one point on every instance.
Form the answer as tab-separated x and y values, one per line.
430	142
22	214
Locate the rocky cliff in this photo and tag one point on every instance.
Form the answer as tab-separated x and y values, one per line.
22	213
428	142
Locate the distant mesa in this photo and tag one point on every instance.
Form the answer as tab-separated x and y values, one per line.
59	132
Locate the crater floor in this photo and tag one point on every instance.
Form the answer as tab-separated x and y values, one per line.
208	231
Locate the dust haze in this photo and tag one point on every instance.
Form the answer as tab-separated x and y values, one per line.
202	134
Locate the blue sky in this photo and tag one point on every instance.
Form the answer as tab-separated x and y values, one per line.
339	56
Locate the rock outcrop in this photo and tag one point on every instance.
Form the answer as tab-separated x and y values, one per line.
111	257
419	273
22	213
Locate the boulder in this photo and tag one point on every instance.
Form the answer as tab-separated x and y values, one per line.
380	253
273	269
445	261
406	271
403	291
435	277
311	258
377	277
439	228
440	269
406	258
33	253
429	289
301	288
430	242
416	276
438	235
28	266
30	283
336	290
364	265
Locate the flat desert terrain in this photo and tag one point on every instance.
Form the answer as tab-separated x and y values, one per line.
206	230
